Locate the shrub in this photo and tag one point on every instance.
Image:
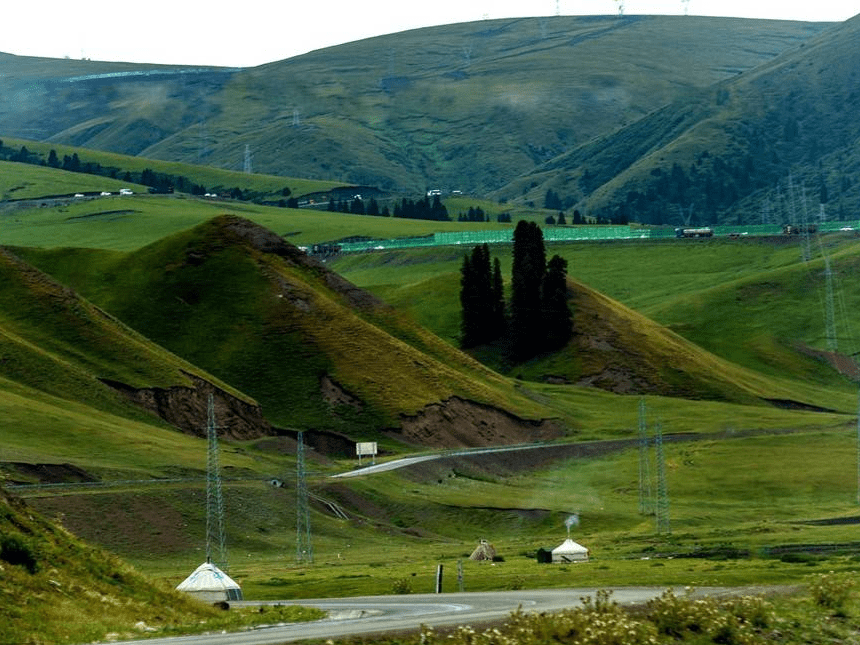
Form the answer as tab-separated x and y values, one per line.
733	622
832	590
17	551
402	586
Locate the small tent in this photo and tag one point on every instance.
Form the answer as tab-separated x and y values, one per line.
484	551
209	584
569	551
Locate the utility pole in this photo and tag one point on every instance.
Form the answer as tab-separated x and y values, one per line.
214	498
304	548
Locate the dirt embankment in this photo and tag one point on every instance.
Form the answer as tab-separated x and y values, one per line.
458	423
186	408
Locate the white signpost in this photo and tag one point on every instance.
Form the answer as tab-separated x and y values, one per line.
366	448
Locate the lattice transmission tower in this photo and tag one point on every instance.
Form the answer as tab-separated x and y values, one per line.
829	305
247	164
646	495
214	498
662	510
304	548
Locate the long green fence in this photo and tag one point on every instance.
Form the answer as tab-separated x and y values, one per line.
572	234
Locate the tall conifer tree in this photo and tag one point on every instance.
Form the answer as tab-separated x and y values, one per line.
556	314
529	265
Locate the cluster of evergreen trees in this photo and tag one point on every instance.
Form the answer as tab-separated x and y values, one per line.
538	319
357	207
482	299
422	209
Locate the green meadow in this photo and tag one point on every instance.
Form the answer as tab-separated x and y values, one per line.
757	493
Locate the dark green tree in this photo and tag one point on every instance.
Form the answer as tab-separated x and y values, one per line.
552	201
53	160
529	265
470	328
556	313
498	323
481	299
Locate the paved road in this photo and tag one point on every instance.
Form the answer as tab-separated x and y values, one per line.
378	614
408	461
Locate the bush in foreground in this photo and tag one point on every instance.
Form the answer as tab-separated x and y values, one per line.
819	614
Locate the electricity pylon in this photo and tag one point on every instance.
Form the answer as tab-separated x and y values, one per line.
214	498
662	511
304	548
646	500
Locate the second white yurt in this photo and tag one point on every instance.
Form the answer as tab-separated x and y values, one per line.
209	584
569	551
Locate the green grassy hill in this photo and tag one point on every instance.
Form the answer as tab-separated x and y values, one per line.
755	307
468	106
108	169
236	300
771	143
57	342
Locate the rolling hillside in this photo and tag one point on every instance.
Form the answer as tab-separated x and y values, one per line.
777	144
469	106
234	299
55	342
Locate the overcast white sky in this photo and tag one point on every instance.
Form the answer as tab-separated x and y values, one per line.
252	32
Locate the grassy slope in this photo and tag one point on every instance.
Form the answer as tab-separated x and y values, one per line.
127	223
273	329
204	175
747	120
22	181
688	286
59	343
425	106
57	589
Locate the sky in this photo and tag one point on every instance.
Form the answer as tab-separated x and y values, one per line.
252	32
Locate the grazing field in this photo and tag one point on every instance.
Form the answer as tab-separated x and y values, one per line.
760	457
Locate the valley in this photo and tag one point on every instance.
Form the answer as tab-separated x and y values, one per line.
700	423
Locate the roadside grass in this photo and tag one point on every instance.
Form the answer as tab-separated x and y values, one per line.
800	614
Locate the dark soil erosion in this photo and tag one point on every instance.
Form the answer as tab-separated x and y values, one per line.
186	408
457	423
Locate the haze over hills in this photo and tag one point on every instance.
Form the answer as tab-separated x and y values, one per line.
468	107
742	150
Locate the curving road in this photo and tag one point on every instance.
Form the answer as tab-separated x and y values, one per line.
380	614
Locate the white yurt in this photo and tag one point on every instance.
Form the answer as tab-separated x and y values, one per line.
569	551
209	584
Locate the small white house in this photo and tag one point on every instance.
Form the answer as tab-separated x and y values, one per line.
209	584
569	551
